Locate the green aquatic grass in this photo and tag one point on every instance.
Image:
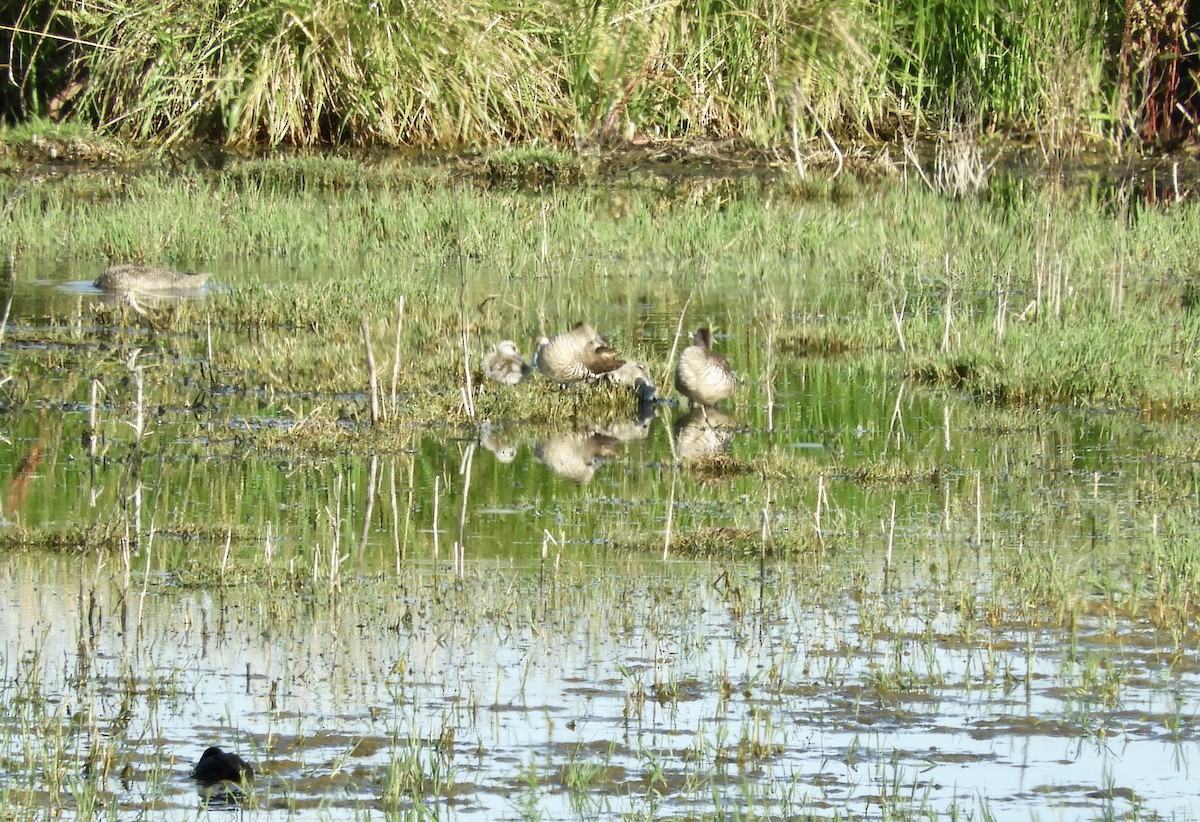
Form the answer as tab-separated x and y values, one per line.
1062	300
28	133
881	642
287	376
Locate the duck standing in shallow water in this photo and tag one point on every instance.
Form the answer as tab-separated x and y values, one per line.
577	355
504	364
130	277
216	765
703	377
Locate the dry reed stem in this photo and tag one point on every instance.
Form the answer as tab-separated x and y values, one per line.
437	500
396	353
97	387
268	543
464	470
145	577
891	537
979	508
335	524
949	306
898	319
412	469
679	331
769	372
819	508
765	535
4	321
395	513
225	553
896	423
372	373
833	146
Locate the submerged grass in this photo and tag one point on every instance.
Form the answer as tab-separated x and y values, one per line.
575	656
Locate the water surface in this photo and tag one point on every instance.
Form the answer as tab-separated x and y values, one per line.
479	622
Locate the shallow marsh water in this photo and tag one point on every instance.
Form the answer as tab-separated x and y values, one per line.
864	611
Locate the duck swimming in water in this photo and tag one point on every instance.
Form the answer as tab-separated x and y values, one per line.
130	277
216	765
702	376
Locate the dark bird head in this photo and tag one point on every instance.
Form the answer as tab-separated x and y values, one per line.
216	765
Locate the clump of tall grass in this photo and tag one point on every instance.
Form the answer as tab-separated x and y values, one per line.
418	73
452	74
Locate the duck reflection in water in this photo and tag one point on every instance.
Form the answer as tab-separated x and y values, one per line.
703	433
495	441
577	455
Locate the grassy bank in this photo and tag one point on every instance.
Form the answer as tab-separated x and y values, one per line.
779	76
1026	296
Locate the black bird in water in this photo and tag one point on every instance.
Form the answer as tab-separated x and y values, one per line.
217	766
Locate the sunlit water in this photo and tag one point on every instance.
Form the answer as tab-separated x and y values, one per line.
669	711
586	685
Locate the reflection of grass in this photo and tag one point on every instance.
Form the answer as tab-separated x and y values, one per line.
66	540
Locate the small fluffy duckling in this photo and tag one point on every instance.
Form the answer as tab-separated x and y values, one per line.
636	376
504	365
703	377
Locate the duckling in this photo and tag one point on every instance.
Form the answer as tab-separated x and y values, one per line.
576	355
504	364
216	765
634	375
703	377
130	277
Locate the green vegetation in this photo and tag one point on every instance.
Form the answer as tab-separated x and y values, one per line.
1027	296
448	74
959	500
